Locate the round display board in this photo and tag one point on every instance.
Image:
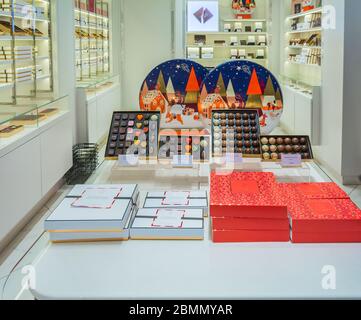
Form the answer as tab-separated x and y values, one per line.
173	88
243	85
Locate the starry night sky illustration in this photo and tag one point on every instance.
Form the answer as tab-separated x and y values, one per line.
179	70
240	73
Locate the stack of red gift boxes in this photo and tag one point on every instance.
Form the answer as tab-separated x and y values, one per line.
248	207
253	207
322	213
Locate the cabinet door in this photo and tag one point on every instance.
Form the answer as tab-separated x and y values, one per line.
288	116
20	185
56	153
303	115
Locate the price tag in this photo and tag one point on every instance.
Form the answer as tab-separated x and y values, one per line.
128	160
291	160
182	161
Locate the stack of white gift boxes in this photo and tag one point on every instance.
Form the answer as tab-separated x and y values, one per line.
110	213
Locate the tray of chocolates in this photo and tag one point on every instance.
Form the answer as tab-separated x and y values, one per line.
274	146
8	131
195	143
236	131
133	133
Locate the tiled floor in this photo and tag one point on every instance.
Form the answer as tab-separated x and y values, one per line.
32	240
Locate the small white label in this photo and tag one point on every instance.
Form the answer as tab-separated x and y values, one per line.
291	160
128	160
182	161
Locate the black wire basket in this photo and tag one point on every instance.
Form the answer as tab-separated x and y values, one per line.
85	162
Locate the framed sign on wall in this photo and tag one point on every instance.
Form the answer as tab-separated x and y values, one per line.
203	16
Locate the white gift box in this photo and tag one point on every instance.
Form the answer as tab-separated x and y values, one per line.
238	27
242	53
207	53
251	40
162	224
260	54
193	53
258	27
179	200
233	41
227	27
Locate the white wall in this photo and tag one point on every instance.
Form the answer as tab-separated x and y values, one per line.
351	147
329	153
147	41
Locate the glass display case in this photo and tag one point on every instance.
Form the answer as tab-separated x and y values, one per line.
97	86
17	122
92	33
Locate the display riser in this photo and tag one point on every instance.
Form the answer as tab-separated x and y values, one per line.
30	171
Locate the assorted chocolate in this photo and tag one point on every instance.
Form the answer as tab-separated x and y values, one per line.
184	142
134	133
28	119
6	132
274	146
236	131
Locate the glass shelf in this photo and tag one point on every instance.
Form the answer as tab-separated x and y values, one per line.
92	45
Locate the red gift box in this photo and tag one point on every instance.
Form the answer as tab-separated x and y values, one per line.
246	195
250	224
325	215
327	190
326	237
250	236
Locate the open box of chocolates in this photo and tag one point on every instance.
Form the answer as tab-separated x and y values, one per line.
274	146
236	131
195	143
133	133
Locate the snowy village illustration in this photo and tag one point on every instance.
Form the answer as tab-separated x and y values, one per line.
173	88
185	93
243	85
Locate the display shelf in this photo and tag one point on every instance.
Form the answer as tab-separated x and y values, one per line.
26	51
236	38
92	31
302	56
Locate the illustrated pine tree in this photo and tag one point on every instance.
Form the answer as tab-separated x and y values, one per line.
254	93
192	89
221	87
170	91
161	83
269	90
231	96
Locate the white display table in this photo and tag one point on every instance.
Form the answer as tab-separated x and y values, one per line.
193	269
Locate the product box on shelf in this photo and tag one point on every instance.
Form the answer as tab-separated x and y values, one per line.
236	131
98	212
168	224
8	131
246	195
133	133
272	147
177	199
